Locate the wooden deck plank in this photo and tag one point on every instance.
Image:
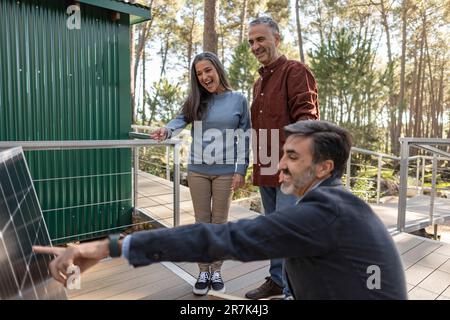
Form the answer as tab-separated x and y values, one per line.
161	285
129	283
114	278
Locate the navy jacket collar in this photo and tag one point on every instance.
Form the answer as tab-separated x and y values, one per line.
331	182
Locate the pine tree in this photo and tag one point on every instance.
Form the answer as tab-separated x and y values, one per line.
243	70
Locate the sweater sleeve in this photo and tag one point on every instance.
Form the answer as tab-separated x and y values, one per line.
175	125
244	138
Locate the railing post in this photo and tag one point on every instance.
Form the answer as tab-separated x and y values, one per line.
417	174
380	158
167	163
423	175
404	153
433	187
349	164
176	185
135	154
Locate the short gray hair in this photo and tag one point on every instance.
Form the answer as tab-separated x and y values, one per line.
267	21
329	142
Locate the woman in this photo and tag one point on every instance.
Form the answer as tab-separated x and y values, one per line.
219	154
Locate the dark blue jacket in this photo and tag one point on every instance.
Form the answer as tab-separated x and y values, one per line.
333	243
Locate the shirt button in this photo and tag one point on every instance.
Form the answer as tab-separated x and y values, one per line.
260	111
271	70
156	257
262	93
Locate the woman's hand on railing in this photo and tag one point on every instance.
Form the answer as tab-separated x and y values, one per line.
159	134
237	182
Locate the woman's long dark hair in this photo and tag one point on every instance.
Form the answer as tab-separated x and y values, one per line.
195	106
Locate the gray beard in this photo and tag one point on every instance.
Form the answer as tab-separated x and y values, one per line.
298	183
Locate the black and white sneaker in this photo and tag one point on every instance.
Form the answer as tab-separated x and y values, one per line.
217	282
201	286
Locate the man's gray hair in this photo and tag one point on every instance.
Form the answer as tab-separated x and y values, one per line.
267	21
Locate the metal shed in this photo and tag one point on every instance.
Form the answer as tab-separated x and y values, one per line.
59	82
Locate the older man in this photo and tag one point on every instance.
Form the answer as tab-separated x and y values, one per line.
285	92
334	245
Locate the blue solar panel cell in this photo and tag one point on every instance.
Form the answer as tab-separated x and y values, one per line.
23	275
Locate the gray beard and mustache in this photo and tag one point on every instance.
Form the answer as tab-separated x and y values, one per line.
298	182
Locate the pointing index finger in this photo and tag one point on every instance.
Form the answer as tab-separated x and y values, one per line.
47	250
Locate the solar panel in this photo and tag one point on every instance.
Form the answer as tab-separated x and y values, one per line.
23	274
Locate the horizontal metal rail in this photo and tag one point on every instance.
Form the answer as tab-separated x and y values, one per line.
135	144
373	153
85	144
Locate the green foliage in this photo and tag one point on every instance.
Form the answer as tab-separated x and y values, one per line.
348	83
365	189
164	102
242	72
367	137
279	10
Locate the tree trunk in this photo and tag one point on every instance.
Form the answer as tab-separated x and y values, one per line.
299	31
434	113
394	129
440	105
138	50
143	86
396	147
164	52
320	24
222	42
243	26
190	46
413	94
209	28
419	89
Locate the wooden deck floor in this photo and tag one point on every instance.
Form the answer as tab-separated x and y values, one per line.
426	262
417	211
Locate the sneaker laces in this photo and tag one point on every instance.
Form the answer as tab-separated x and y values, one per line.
203	277
216	277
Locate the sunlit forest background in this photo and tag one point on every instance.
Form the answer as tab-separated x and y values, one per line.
382	66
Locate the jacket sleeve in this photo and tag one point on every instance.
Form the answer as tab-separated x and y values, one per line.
303	230
302	93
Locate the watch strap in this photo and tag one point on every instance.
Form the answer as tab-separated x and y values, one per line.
114	245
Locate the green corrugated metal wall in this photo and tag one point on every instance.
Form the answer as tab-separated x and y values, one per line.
61	84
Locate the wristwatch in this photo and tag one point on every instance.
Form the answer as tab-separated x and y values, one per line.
114	245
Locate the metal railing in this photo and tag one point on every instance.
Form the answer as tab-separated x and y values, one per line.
143	140
134	145
380	157
419	169
183	139
424	144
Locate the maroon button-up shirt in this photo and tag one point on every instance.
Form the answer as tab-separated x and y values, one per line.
285	93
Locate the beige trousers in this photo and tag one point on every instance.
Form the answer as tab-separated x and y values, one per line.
211	197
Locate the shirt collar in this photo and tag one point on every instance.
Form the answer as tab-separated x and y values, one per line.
282	59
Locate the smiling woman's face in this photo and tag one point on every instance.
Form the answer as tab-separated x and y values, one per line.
208	77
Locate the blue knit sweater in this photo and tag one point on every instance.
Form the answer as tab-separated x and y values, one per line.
220	142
